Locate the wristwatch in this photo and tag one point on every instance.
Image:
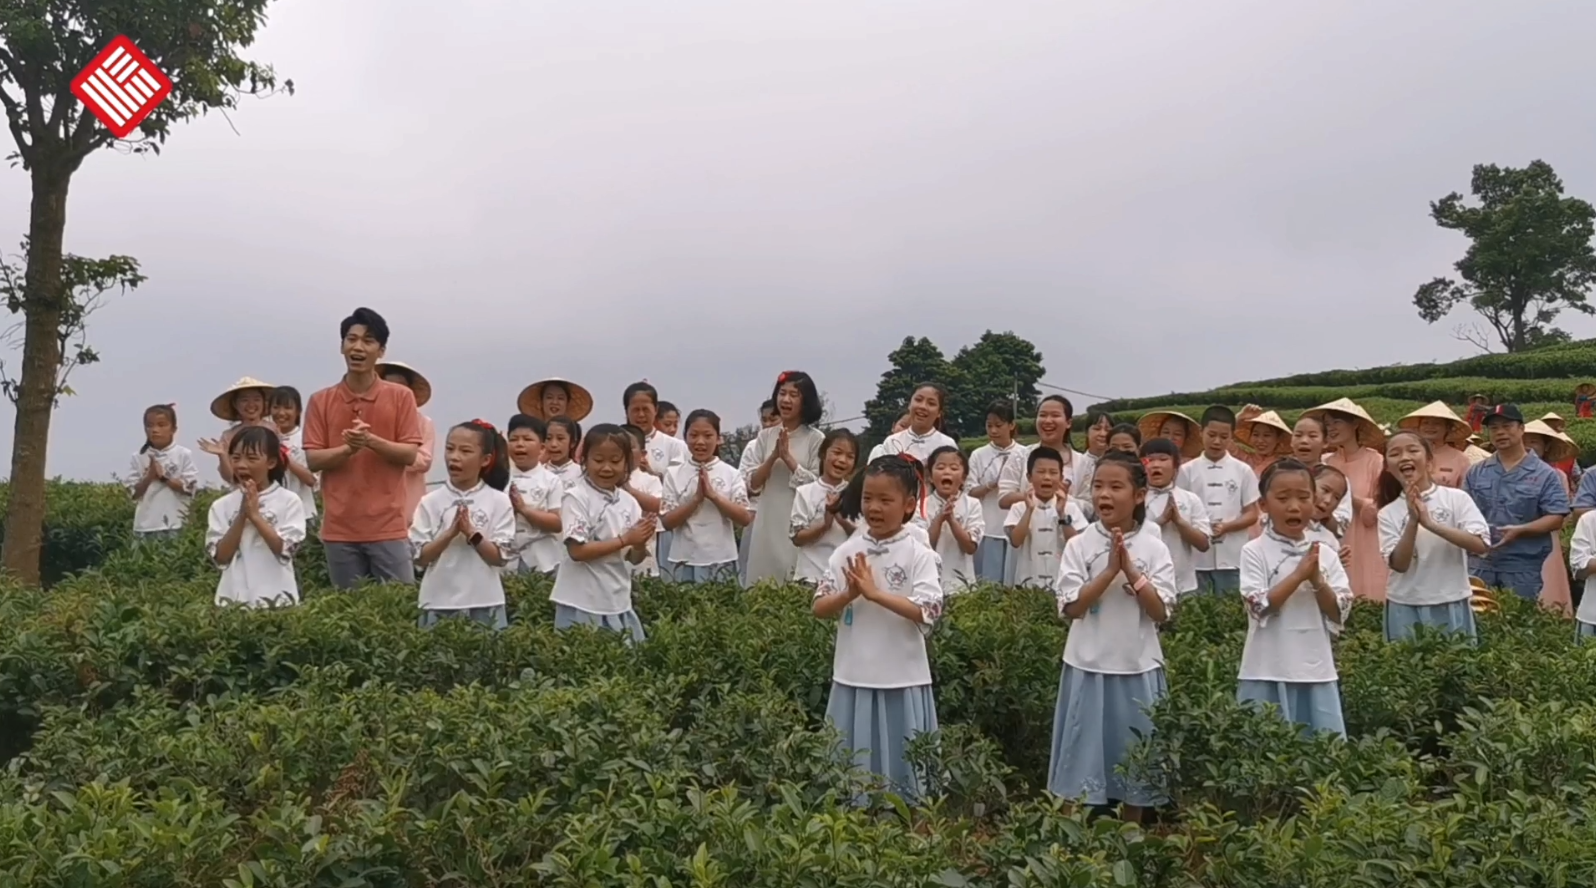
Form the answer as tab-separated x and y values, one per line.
476	539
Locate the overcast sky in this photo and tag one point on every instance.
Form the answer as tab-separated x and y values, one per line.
1161	196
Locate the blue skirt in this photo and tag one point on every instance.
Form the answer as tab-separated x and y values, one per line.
1456	617
662	547
742	556
703	573
990	557
566	616
1095	725
877	725
1583	631
1316	705
495	617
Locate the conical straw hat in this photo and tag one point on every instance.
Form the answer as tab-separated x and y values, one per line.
418	384
1557	423
1272	420
530	400
1369	434
222	406
1559	447
1151	423
1457	431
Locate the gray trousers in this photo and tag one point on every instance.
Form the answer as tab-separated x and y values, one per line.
384	562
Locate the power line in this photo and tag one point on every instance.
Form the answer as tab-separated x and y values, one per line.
1060	388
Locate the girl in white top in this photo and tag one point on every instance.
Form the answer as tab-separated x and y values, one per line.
560	443
1053	416
649	491
163	479
880	450
785	457
927	408
705	503
954	521
986	466
1181	517
1427	533
287	408
883	588
1040	524
1297	597
1117	584
463	530
604	531
1582	558
1308	446
254	529
817	528
535	496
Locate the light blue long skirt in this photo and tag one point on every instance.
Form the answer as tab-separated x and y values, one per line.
690	574
496	617
1583	631
991	556
1095	725
1011	564
877	724
662	547
1402	619
1316	705
627	624
742	556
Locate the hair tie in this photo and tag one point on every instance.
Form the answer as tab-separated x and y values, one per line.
483	424
283	452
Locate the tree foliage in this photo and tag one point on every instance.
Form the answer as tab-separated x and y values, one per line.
1530	256
998	365
85	282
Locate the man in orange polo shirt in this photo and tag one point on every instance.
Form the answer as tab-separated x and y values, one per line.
360	435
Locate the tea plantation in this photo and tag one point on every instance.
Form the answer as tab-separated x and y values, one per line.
150	739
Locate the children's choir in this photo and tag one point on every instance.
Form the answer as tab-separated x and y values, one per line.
1295	520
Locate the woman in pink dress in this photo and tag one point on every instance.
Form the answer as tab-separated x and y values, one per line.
1355	440
416	472
1261	438
1448	434
1553	447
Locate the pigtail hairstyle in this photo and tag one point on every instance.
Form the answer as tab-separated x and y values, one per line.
1281	466
1391	488
259	439
1138	476
901	466
811	409
608	432
167	410
496	453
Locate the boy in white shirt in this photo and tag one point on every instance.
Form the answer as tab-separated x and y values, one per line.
1228	487
1181	517
986	466
1043	522
535	495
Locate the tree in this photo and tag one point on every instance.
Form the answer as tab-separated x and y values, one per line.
998	365
43	46
913	362
1531	256
84	283
733	442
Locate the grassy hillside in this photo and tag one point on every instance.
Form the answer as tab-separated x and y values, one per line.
1538	381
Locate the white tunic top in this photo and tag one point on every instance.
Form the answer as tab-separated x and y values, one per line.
1581	549
708	537
643	482
1195	513
161	507
535	549
1439	571
460	579
1291	643
569	474
917	446
986	467
958	568
1227	487
295	442
665	452
807	508
256	575
771	553
1116	637
1037	559
1015	478
876	648
588	514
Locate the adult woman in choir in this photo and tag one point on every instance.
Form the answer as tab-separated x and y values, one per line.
783	458
1356	448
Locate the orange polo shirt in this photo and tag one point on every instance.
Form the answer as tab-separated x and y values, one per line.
363	499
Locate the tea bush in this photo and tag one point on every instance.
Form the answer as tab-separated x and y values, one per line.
152	739
84	524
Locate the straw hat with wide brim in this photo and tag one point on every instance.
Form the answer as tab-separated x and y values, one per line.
1558	424
1369	432
222	407
413	378
1559	447
1272	420
1585	388
531	400
1457	431
1150	424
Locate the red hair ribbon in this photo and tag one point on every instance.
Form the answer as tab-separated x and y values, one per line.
487	427
283	452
